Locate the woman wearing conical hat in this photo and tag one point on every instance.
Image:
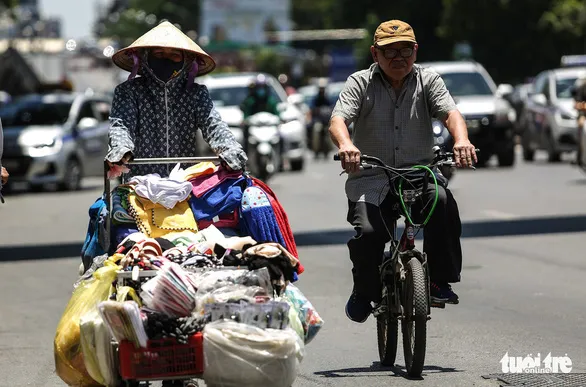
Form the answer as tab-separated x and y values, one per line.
158	113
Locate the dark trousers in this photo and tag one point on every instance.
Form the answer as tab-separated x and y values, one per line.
441	239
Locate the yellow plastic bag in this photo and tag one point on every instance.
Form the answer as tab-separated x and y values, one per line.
69	361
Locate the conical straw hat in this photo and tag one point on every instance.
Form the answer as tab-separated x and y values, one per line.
164	35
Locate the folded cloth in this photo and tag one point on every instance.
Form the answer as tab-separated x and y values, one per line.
282	220
155	221
258	218
204	183
224	197
200	169
119	214
227	220
164	191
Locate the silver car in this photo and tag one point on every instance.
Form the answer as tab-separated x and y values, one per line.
55	138
489	117
550	115
229	90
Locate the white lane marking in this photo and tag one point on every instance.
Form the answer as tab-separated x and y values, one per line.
499	214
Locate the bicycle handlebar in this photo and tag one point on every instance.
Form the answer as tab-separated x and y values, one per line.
441	158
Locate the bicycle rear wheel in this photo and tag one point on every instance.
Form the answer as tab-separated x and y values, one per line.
387	334
414	325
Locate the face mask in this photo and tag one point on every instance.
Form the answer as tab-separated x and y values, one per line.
261	92
164	68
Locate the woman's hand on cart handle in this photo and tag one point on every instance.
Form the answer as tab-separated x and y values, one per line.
117	169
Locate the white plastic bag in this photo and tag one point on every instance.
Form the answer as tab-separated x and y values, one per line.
240	355
99	355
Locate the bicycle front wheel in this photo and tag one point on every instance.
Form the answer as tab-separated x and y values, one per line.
414	324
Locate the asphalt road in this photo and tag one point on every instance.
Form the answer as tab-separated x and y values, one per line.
522	289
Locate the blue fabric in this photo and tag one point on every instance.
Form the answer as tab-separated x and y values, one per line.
223	198
257	218
92	246
121	232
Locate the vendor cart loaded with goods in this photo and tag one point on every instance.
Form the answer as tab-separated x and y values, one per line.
187	277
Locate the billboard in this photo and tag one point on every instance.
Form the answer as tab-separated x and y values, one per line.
226	22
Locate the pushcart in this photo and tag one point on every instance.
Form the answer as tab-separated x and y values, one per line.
142	161
163	359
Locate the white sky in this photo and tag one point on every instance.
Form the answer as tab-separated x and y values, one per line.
77	16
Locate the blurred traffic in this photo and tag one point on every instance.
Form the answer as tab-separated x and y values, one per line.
280	68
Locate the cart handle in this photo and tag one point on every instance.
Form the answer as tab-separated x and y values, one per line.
143	161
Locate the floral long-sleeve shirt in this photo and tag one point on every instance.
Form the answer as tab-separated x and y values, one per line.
152	119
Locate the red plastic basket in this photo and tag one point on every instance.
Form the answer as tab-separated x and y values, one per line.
162	359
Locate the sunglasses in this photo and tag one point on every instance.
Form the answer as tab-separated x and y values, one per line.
391	53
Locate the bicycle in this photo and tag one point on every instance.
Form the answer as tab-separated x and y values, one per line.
403	271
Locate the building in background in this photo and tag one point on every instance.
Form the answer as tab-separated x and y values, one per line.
240	23
28	23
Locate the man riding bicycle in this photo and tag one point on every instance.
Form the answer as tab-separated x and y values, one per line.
392	105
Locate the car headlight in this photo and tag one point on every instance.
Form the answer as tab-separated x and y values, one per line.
565	118
45	148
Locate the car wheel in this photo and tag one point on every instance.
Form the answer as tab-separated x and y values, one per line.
553	155
528	154
507	158
73	175
297	165
37	187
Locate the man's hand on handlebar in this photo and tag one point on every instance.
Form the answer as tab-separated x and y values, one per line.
465	154
349	157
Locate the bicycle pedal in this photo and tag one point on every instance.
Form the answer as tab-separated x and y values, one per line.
441	305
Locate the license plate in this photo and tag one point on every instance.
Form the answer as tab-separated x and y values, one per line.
472	124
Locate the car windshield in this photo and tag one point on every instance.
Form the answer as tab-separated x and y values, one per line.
233	96
464	84
27	112
563	87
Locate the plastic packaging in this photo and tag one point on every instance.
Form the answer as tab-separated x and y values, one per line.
69	359
228	293
240	355
214	279
310	319
99	355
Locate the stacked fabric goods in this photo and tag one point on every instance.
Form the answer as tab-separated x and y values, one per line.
199	276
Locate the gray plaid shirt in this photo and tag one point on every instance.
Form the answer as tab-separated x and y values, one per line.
395	128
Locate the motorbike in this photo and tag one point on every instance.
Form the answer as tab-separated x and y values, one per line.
581	157
444	140
320	141
264	144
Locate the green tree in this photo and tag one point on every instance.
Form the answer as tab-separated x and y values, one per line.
128	24
513	39
567	17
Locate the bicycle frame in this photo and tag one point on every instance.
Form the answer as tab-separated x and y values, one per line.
392	268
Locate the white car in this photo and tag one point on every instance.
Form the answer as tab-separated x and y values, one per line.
229	90
550	114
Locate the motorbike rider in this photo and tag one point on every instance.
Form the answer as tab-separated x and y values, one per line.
158	113
259	99
321	100
4	173
579	94
393	119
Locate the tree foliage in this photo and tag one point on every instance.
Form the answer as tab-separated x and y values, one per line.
513	39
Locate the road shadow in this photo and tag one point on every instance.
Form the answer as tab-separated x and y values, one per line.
476	229
376	368
13	192
45	251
